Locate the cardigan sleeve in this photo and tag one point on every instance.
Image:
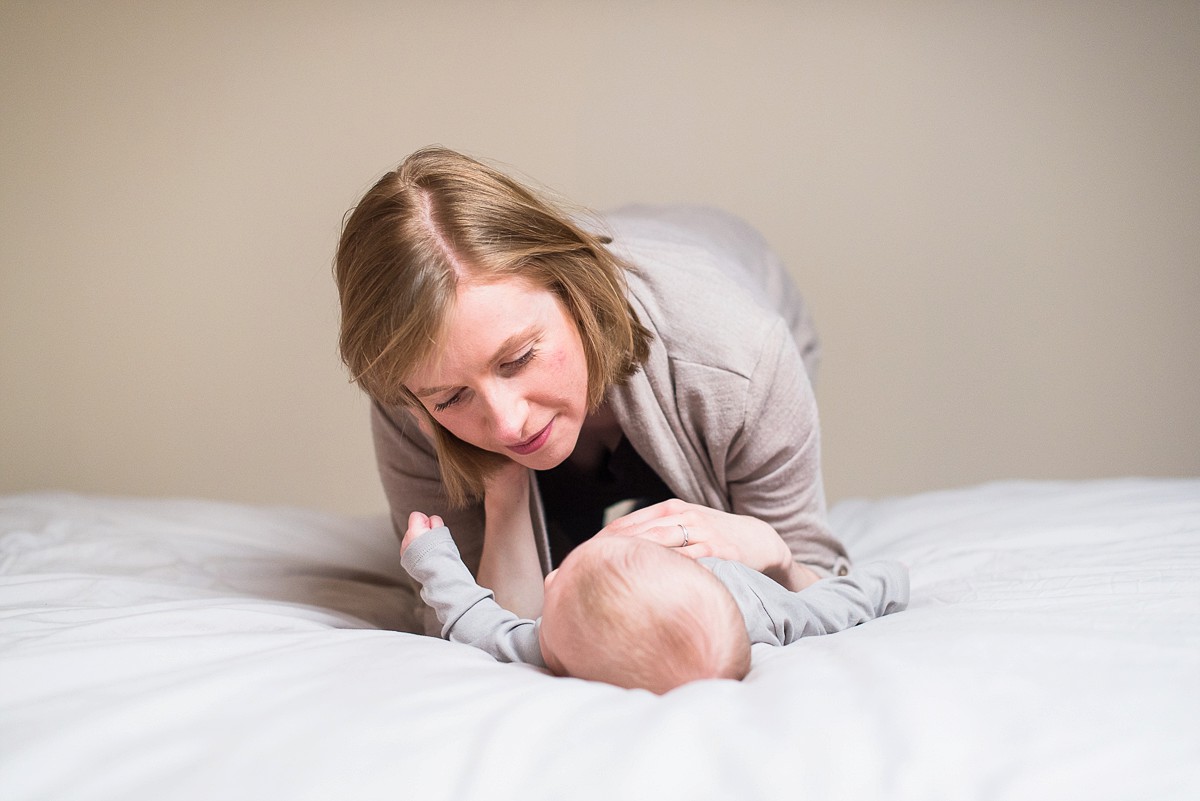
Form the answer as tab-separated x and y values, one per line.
724	409
773	464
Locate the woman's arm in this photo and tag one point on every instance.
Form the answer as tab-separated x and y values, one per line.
509	565
773	467
768	447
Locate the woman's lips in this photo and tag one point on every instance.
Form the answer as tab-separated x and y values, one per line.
533	443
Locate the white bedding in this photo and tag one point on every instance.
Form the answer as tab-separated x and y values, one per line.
192	650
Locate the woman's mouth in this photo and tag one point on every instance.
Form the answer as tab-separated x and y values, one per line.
533	443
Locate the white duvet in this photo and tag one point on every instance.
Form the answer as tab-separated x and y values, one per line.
191	650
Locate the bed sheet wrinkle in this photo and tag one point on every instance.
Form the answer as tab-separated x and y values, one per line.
185	559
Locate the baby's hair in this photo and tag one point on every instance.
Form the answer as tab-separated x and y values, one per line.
641	615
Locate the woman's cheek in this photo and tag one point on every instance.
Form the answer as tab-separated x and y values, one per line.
462	428
568	371
556	359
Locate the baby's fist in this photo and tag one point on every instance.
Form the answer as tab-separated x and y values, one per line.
418	524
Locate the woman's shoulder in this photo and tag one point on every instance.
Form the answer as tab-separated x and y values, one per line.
691	283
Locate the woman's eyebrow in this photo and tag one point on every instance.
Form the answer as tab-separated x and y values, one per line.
515	341
505	348
425	393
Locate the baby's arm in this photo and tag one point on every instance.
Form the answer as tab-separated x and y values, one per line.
869	591
779	616
468	613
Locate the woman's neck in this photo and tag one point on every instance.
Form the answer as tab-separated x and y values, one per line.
598	437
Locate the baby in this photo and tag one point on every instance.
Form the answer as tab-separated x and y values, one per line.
636	614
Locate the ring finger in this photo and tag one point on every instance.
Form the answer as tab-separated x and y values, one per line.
670	533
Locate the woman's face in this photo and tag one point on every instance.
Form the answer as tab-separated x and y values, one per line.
511	377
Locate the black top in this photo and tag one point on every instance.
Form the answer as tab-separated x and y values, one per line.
575	499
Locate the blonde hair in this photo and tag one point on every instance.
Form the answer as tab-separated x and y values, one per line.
442	217
636	614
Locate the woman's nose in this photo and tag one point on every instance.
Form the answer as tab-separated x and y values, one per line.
507	411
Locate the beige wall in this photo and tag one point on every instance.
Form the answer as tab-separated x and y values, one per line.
993	209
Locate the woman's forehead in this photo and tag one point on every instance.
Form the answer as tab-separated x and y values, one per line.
496	301
486	321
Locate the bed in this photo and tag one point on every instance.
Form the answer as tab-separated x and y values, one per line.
183	649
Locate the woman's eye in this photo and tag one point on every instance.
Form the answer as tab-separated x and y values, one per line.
521	360
446	404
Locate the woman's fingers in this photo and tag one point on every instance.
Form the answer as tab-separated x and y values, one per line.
638	521
672	523
709	532
672	535
671	532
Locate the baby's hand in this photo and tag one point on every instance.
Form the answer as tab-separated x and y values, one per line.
418	524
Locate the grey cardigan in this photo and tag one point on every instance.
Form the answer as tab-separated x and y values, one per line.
723	410
469	614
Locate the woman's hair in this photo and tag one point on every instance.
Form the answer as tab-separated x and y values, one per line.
441	218
637	614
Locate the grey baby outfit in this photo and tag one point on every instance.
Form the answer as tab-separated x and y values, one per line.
469	613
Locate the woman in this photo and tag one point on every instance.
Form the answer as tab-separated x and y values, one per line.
658	364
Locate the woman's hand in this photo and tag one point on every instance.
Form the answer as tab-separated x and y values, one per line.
418	524
711	532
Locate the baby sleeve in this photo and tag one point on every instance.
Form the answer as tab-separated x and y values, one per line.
778	616
468	613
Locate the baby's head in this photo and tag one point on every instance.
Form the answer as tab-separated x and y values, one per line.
633	613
